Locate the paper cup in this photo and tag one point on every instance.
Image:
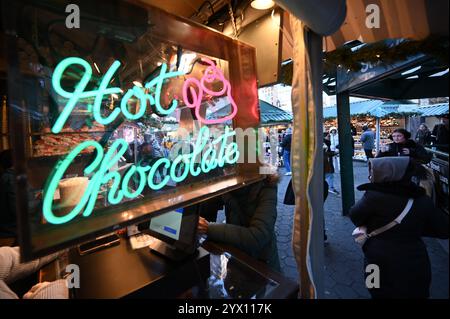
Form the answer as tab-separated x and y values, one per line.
72	190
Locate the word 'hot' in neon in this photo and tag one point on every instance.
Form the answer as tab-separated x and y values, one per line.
209	153
98	94
196	88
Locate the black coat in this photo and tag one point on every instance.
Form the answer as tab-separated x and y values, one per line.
416	151
286	143
328	154
423	137
399	252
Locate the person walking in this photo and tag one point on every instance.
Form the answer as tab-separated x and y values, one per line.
440	134
329	166
399	252
423	135
289	196
286	145
368	141
333	137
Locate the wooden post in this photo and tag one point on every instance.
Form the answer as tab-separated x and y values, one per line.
345	151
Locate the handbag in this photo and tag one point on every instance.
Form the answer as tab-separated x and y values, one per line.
289	196
360	233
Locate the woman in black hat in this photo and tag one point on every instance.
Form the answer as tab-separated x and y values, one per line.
399	252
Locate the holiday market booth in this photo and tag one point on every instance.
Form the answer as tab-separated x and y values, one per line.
430	114
115	70
384	61
343	47
273	124
381	117
87	113
401	69
274	121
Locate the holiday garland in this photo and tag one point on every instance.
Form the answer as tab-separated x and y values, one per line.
387	53
379	52
396	115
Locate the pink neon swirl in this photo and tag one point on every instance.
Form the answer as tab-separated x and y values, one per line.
212	73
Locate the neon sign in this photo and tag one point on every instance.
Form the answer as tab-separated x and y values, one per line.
212	153
103	90
212	73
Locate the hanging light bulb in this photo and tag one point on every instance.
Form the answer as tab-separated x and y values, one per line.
262	4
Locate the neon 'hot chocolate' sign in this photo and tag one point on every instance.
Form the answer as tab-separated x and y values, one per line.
212	154
195	87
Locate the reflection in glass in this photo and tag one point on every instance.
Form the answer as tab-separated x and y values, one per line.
232	279
150	137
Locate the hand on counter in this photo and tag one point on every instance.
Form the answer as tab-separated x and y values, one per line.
202	227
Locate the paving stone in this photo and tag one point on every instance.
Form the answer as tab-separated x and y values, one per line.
285	246
282	254
287	228
342	277
345	292
284	239
361	290
292	273
329	282
290	261
331	295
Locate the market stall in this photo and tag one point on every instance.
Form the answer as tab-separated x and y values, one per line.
274	122
88	99
430	114
382	117
114	132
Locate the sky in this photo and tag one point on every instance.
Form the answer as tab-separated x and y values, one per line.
280	95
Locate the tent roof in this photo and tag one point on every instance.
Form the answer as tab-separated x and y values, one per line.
271	114
375	108
434	109
356	108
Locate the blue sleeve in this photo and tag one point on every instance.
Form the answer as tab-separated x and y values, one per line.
363	137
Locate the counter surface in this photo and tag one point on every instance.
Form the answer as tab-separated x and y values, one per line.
121	272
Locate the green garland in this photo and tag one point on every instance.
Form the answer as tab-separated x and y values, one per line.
387	54
382	52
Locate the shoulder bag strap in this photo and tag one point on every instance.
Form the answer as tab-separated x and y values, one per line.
396	221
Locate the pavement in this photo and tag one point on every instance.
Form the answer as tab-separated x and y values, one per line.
343	273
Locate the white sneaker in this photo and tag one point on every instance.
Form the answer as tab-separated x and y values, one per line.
288	174
333	191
